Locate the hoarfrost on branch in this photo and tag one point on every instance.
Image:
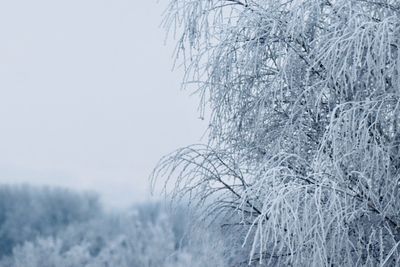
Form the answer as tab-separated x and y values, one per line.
303	159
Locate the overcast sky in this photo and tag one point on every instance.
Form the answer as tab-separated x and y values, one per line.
87	96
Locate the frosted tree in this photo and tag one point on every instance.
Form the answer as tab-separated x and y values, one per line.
303	153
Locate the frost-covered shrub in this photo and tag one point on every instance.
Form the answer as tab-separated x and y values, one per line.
49	252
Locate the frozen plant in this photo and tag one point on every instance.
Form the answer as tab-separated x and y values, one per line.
303	155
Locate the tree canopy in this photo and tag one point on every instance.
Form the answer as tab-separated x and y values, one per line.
303	154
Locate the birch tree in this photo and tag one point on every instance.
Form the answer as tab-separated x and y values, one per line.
303	153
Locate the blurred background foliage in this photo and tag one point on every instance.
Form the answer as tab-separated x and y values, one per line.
46	227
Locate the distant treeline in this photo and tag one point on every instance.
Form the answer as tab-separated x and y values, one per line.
51	227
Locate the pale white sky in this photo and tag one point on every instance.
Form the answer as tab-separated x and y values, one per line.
87	98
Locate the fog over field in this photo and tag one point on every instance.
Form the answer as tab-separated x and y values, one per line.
87	96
